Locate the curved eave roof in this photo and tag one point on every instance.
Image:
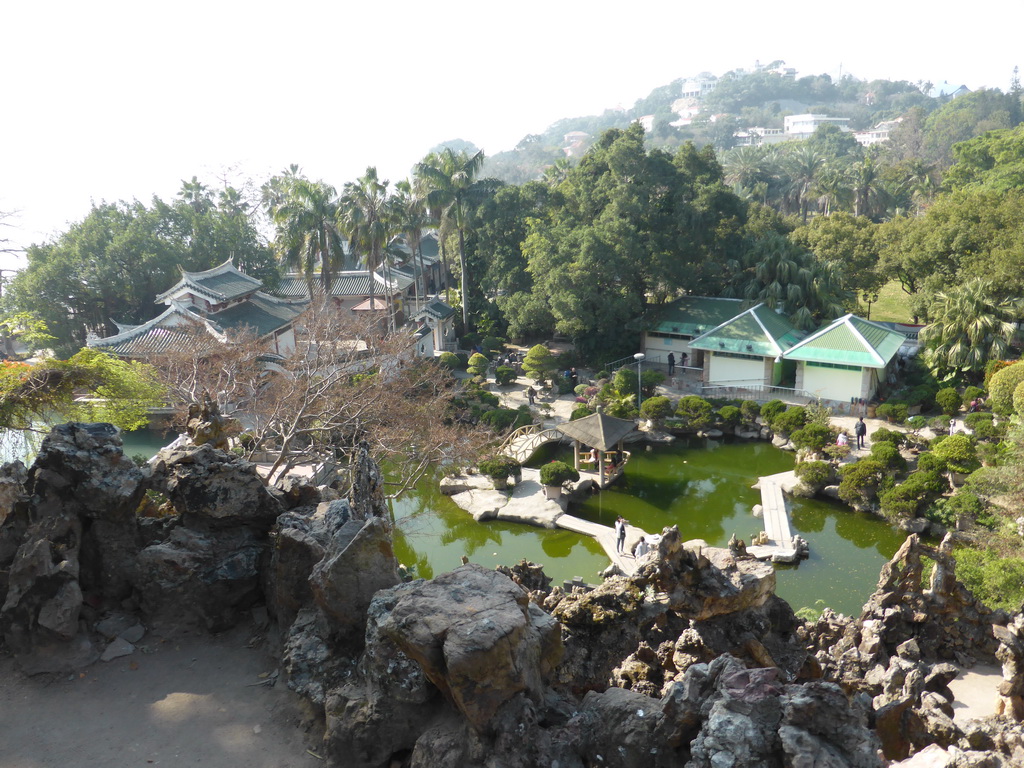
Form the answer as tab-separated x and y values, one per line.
599	430
221	283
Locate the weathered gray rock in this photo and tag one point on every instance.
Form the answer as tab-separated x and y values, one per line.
477	638
117	648
214	490
361	561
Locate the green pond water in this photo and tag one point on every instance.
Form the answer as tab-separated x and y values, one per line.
701	485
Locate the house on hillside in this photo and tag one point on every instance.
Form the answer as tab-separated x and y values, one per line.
221	300
802	126
945	89
438	320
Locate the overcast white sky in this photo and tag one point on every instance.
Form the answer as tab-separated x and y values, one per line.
109	100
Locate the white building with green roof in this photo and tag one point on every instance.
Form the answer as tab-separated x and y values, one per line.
748	349
846	359
676	324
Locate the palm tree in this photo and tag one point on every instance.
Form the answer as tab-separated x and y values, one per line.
453	187
802	167
412	220
305	215
368	215
971	326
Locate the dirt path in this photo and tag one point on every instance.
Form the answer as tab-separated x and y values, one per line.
976	690
189	701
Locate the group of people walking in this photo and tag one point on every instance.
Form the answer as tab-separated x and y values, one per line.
642	546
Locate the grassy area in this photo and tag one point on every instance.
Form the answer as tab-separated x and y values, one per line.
892	305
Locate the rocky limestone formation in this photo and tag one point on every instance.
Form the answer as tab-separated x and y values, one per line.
207	426
68	535
1011	655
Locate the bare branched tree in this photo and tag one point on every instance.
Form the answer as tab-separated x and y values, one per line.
348	383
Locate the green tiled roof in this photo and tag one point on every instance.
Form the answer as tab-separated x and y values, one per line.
167	332
352	283
850	340
222	283
758	331
693	315
261	312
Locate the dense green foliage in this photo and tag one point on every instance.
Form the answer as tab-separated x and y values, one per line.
694	413
557	472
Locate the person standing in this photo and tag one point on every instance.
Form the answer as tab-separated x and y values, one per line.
531	393
860	429
642	548
952	426
671	363
620	534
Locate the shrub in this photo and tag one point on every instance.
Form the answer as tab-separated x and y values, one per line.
930	462
463	360
478	364
650	380
580	411
814	475
1002	386
923	395
729	415
997	581
557	472
949	400
492	344
813	437
910	496
771	409
895	412
816	413
972	420
959	453
889	455
917	423
539	363
564	386
883	435
992	367
694	413
790	420
504	375
1018	399
496	469
656	409
602	375
750	411
449	360
502	419
973	393
580	389
860	482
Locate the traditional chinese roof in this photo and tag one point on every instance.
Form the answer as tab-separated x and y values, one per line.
693	315
261	312
849	340
435	308
598	430
350	283
757	331
220	284
169	331
372	304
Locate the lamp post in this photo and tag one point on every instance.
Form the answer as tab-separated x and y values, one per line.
639	357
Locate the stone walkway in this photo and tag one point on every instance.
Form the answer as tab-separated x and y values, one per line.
781	547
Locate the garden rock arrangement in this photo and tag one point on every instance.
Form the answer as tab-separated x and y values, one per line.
691	661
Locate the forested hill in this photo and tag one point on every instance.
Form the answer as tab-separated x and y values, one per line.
740	100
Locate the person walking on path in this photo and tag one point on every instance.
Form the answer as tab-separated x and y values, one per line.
531	393
620	534
952	426
860	429
671	363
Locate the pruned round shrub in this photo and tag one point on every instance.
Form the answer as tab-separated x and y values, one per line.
656	409
814	437
992	367
860	482
973	393
557	472
883	435
912	495
694	413
449	360
580	389
930	462
1002	387
959	453
478	364
889	455
502	419
790	420
504	375
582	410
492	343
814	475
894	412
771	409
750	410
948	400
729	415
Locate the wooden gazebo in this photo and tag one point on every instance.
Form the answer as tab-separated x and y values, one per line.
603	434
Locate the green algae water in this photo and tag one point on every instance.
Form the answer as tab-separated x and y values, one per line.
701	485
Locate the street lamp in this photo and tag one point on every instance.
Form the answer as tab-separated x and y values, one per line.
639	357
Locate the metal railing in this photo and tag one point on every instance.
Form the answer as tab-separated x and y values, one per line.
755	391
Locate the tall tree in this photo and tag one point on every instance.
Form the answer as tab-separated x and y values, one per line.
412	219
369	216
308	238
454	188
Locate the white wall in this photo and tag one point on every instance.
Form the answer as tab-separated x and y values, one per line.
832	383
733	369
